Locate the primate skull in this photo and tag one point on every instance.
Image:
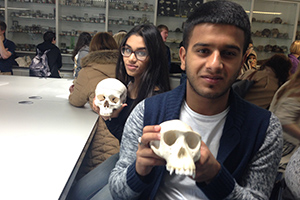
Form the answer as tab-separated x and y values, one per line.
179	146
110	94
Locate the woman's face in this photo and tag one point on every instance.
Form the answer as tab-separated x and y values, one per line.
135	67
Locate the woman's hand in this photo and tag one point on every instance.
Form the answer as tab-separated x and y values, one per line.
71	88
115	113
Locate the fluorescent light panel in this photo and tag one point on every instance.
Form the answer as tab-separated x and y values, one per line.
265	13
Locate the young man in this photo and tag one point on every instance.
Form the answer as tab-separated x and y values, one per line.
54	55
7	52
241	143
164	32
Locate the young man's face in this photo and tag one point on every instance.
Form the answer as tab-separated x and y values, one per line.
164	34
213	59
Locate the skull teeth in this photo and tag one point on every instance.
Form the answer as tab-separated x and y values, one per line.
181	171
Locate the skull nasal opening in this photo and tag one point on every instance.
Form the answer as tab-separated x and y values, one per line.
106	104
181	153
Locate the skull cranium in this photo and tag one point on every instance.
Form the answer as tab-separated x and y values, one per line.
110	94
179	146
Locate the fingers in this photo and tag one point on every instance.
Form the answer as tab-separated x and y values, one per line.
71	88
116	112
150	133
146	159
95	108
207	167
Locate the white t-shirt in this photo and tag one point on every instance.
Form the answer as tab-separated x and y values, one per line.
210	128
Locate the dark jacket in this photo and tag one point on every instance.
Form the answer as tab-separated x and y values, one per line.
243	134
54	57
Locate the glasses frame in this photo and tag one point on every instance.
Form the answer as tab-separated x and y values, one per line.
132	52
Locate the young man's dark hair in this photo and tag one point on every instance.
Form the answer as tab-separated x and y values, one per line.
213	13
49	36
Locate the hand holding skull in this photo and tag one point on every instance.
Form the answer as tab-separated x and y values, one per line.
145	158
177	146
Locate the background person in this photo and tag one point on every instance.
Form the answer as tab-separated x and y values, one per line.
119	37
294	55
164	32
100	63
251	59
241	144
81	49
7	52
54	55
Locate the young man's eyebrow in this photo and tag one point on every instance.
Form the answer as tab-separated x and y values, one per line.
207	45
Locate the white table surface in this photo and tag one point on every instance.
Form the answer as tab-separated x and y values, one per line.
40	142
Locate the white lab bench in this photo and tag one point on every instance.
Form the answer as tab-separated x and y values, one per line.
42	137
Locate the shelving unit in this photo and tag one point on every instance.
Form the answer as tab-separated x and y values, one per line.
27	20
273	27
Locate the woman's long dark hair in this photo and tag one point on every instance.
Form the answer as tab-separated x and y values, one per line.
156	74
84	39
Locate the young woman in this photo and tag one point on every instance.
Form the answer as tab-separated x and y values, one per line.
142	66
81	49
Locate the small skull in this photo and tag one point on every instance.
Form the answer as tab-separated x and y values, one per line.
110	94
179	146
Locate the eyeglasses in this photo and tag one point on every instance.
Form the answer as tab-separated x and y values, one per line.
139	54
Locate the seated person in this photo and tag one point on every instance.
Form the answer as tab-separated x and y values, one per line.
54	55
251	59
142	68
164	32
7	52
241	143
286	106
81	50
98	64
268	78
294	55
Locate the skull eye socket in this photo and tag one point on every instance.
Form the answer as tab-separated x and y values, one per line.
101	97
114	99
192	139
170	137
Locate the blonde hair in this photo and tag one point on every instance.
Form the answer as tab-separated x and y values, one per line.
295	47
119	37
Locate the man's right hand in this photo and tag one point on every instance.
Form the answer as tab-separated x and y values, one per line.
146	159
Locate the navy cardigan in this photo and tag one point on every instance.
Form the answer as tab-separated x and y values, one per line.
243	134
